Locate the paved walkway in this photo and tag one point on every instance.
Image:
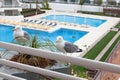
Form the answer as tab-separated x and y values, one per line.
114	29
115	59
107	47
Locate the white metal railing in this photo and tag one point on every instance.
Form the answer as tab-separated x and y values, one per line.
10	77
38	70
52	55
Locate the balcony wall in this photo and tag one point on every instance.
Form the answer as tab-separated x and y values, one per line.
19	17
3	9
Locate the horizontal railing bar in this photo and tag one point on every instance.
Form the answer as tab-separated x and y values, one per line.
53	55
39	70
10	77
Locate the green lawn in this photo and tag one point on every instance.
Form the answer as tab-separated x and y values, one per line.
94	13
109	50
117	26
92	54
79	71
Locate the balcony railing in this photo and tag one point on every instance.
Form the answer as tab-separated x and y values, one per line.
55	56
10	6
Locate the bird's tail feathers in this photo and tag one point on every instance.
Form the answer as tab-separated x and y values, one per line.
79	50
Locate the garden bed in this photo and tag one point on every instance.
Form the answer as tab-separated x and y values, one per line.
31	12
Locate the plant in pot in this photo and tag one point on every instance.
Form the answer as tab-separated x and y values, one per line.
35	60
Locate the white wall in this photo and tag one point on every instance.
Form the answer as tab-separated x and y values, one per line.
64	7
73	7
15	3
91	8
2	9
68	7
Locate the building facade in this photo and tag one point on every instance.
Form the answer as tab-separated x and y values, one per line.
91	2
10	8
89	5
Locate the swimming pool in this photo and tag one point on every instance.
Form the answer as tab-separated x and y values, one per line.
75	19
6	34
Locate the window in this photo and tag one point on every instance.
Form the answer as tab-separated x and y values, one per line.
8	12
111	2
8	2
51	0
63	0
87	2
74	1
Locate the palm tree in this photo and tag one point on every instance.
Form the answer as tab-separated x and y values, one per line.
36	1
46	3
99	2
81	3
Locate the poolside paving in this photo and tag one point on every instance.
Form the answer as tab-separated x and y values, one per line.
114	60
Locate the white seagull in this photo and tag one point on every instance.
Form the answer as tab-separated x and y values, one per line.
66	47
20	35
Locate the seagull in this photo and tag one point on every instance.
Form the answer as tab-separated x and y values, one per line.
20	35
66	47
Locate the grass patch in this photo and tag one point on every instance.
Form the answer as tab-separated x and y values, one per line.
98	13
31	12
92	54
79	71
109	50
117	26
94	13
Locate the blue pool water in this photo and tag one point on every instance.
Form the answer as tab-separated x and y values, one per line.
75	19
6	34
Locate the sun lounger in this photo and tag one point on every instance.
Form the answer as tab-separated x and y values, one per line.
44	23
33	21
30	21
25	20
40	22
54	24
50	24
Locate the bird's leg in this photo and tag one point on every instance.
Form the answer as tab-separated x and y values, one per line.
24	44
67	64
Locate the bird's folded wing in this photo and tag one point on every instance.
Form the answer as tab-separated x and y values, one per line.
70	48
